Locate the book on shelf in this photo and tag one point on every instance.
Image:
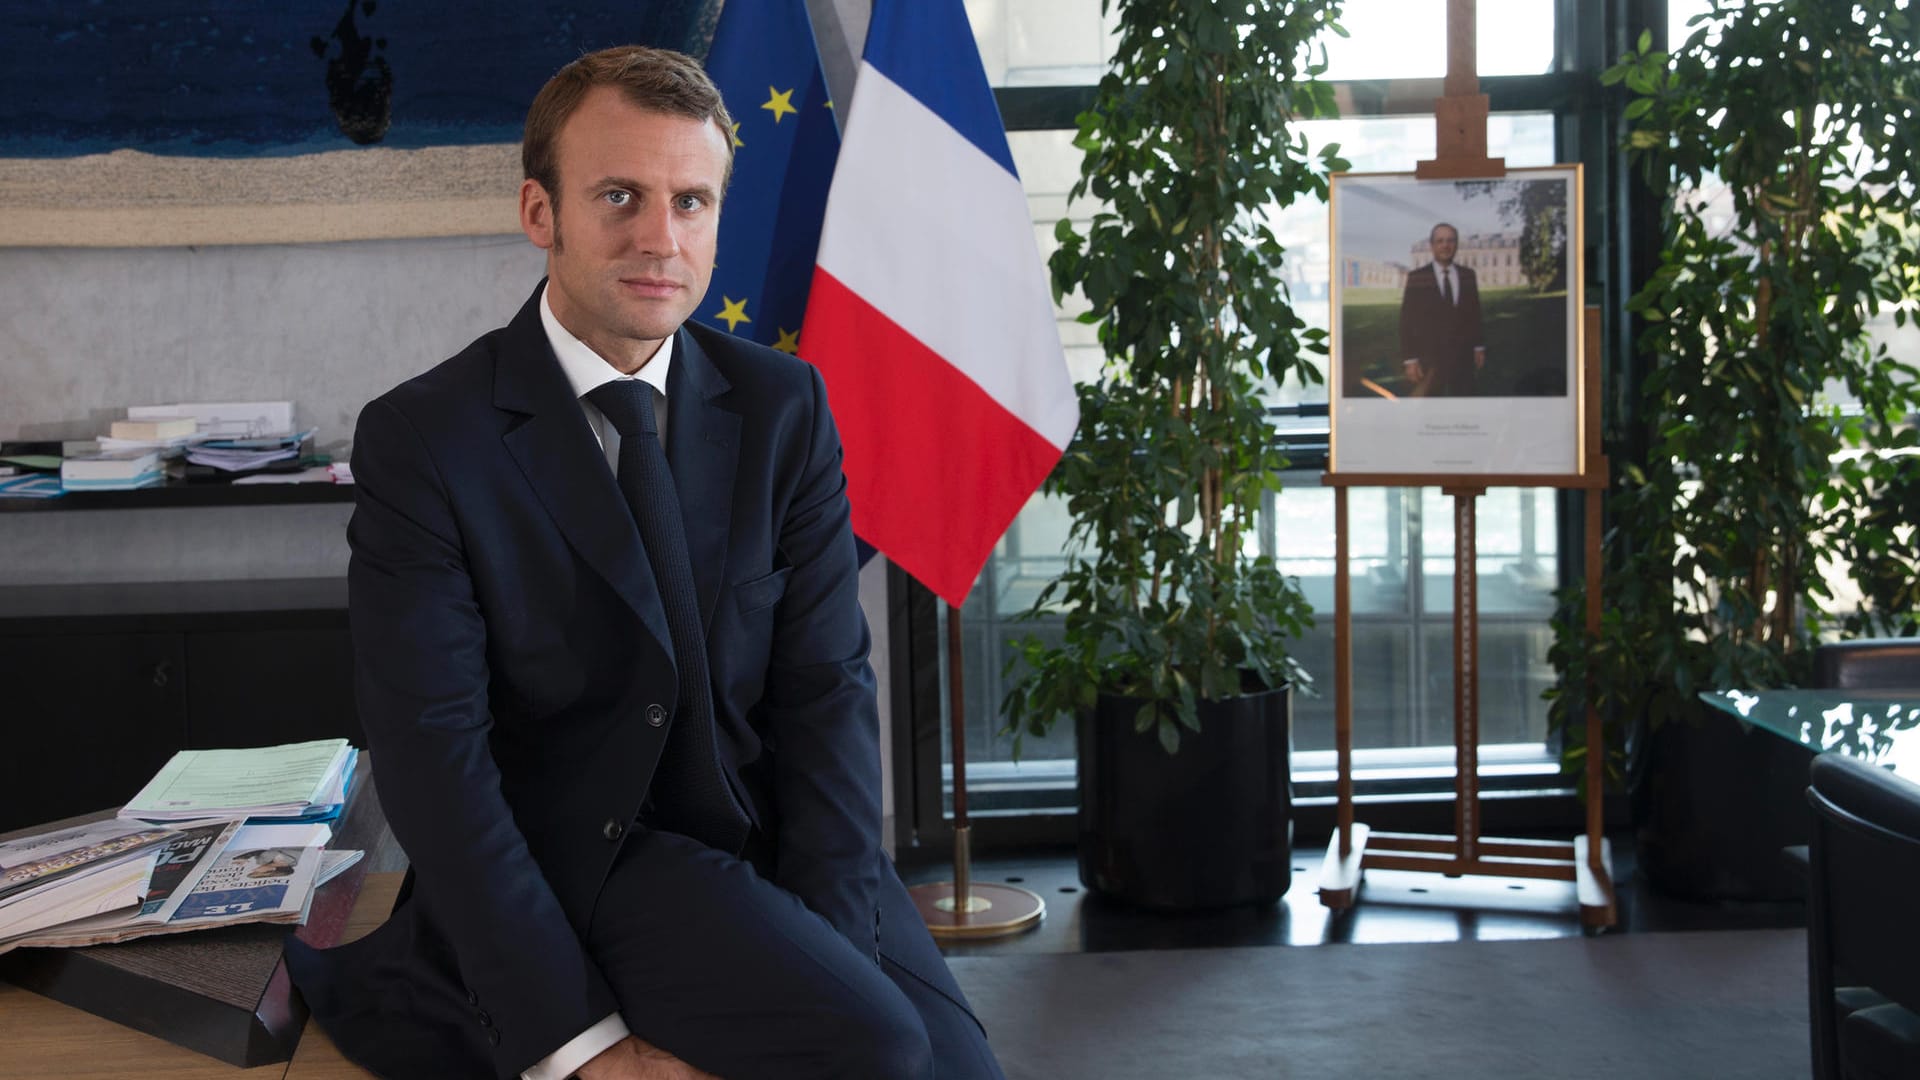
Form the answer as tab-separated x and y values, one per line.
111	470
31	486
158	429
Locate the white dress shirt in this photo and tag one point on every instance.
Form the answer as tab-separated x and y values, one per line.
587	371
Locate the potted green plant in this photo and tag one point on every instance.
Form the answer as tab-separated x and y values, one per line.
1783	132
1173	655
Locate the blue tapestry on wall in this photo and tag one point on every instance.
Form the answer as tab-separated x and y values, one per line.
226	78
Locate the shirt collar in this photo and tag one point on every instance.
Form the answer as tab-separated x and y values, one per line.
588	370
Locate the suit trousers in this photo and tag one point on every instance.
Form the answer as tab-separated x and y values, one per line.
733	974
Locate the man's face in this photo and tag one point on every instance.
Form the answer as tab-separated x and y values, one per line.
1445	241
639	201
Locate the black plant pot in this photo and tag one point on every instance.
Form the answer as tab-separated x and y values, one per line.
1210	826
1716	808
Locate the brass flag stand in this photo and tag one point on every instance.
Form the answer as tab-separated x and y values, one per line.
1461	122
964	908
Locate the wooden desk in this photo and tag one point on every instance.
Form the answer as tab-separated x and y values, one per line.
41	1039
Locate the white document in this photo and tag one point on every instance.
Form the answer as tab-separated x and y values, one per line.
226	419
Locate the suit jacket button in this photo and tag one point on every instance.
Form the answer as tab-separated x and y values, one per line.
473	998
613	830
493	1036
656	715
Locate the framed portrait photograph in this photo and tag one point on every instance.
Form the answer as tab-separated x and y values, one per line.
1457	336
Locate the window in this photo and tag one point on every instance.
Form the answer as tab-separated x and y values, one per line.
1402	540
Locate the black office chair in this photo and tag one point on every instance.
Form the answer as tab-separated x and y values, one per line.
1863	921
1868	664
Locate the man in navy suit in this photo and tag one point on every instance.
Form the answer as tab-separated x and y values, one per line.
1442	342
619	699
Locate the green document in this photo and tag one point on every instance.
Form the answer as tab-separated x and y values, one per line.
269	779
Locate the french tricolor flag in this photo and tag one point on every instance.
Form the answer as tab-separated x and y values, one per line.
931	316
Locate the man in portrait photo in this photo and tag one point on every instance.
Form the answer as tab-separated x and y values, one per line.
1442	339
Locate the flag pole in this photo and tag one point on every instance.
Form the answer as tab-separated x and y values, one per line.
962	908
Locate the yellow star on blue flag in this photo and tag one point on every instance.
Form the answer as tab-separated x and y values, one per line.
733	312
779	102
770	222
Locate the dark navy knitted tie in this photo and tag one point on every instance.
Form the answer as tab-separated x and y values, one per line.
690	793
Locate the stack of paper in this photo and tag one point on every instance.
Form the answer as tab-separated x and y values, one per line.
35	486
209	874
225	419
294	782
241	455
75	872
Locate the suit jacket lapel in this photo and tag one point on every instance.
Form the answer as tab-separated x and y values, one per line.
568	471
703	450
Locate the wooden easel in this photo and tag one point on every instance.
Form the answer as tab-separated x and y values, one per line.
1461	120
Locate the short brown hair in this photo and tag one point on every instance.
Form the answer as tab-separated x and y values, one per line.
659	80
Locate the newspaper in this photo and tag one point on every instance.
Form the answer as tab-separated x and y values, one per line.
266	873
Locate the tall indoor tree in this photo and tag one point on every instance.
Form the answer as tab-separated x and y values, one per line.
1168	607
1785	134
1188	149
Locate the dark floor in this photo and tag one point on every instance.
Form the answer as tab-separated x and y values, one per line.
1395	906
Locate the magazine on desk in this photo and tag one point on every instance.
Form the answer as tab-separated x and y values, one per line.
215	874
116	887
31	862
178	866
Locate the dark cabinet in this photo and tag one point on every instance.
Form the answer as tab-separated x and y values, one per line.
261	687
101	684
87	720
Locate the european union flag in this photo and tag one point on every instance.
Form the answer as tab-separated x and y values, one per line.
785	141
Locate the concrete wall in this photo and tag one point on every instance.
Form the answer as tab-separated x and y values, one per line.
86	332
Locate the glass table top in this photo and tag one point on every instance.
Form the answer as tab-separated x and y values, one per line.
1882	726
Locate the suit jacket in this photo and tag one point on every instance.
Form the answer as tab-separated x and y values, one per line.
513	661
1442	334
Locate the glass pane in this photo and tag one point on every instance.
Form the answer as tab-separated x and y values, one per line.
1377	544
1042	42
1513	675
1069	42
1049	166
1407	39
1515	547
1678	13
1383	674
